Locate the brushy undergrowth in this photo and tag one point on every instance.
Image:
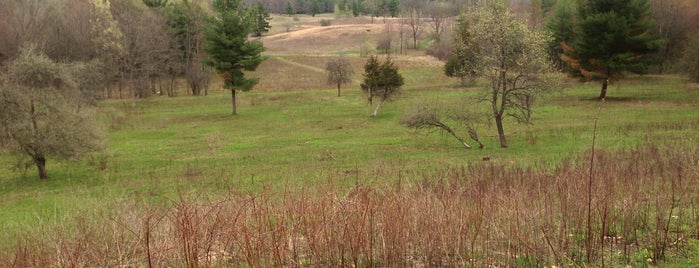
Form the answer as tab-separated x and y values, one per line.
643	204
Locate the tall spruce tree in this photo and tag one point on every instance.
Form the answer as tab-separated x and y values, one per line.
230	52
612	37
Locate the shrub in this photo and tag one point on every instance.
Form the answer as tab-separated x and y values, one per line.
325	22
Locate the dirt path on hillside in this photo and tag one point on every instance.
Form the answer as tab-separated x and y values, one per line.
305	66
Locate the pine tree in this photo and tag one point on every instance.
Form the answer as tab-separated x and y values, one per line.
612	37
260	19
289	9
562	27
381	80
465	61
229	50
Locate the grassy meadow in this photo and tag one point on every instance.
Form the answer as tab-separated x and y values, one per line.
294	142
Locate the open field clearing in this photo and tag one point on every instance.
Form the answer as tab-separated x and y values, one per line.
301	177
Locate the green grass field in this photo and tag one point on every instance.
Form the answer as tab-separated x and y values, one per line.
301	138
289	135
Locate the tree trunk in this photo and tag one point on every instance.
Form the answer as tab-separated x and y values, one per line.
603	94
338	89
501	131
376	110
235	106
459	138
40	162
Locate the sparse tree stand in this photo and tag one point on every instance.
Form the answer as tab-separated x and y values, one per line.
612	37
339	70
381	80
230	52
43	112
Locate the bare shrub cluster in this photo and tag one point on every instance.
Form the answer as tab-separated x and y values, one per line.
643	202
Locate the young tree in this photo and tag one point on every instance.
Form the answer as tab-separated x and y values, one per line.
43	113
438	13
465	61
339	70
260	19
611	38
314	8
413	18
690	62
513	59
289	9
230	52
381	80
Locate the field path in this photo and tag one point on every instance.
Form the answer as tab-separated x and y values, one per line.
305	66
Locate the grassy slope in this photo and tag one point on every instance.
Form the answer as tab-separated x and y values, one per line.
295	133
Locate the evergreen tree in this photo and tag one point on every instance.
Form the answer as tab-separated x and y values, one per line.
314	8
562	28
465	61
612	37
393	7
289	9
260	19
230	52
381	80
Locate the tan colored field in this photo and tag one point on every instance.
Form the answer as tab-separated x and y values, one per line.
297	57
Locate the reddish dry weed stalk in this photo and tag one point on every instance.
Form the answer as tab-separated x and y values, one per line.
482	214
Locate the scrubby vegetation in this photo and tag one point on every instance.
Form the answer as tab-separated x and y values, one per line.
640	205
304	177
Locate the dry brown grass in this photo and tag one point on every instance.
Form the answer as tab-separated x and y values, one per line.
478	215
322	40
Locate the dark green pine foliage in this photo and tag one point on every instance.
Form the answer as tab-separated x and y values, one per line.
289	9
260	19
381	80
230	52
613	36
155	3
314	9
561	25
465	59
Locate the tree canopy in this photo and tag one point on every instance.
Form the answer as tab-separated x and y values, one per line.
381	80
230	52
339	71
512	57
611	37
43	112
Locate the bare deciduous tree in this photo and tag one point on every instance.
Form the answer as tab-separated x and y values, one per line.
428	117
413	17
339	71
144	43
438	13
